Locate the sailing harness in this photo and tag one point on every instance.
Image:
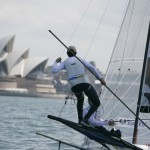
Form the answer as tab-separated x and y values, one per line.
75	77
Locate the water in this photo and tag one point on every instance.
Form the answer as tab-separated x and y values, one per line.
22	117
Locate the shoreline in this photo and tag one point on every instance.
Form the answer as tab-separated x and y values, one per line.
39	95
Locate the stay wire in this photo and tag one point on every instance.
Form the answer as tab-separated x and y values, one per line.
62	108
70	96
101	18
78	24
101	107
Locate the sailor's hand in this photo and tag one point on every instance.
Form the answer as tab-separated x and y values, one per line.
58	59
111	123
103	82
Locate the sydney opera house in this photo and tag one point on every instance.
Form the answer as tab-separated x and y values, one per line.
19	72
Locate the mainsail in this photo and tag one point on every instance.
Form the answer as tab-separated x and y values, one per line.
124	73
124	77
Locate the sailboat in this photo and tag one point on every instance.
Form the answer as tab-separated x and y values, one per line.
128	75
126	98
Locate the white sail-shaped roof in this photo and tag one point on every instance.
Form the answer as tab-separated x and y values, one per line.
32	63
17	62
4	57
15	57
6	44
17	70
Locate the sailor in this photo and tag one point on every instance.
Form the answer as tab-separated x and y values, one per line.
99	122
93	121
79	81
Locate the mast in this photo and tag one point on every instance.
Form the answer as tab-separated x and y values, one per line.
135	133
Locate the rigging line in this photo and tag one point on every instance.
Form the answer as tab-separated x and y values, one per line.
135	43
69	96
124	110
130	137
106	89
123	55
131	16
98	78
100	110
127	60
124	95
136	39
128	28
126	35
121	25
118	83
78	24
101	18
80	20
62	107
108	83
142	135
126	40
139	136
125	12
117	86
121	97
59	141
113	104
115	91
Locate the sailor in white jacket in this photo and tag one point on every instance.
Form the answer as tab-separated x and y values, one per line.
97	122
79	81
100	123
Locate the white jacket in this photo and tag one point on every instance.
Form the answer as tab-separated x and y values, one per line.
75	70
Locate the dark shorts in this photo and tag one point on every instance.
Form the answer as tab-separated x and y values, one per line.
89	91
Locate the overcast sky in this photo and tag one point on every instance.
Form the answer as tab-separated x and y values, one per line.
90	25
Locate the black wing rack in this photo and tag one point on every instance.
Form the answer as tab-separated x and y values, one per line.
99	135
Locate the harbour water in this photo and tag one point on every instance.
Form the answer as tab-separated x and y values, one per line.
22	117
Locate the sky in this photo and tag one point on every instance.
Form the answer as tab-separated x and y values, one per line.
91	26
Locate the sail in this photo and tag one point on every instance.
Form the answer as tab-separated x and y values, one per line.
124	73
